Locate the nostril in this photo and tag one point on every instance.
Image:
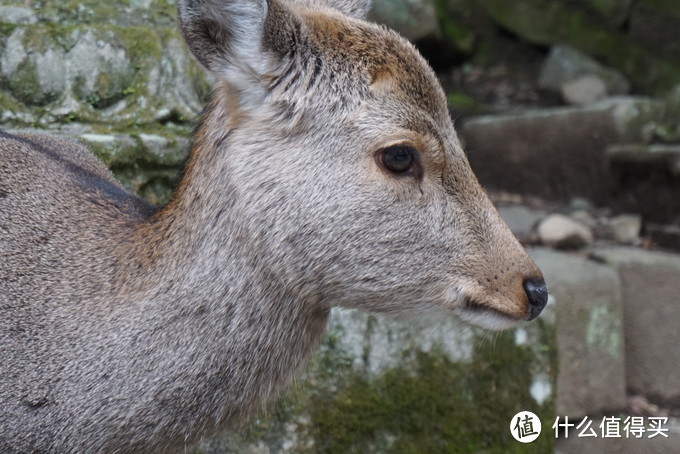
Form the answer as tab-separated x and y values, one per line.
537	294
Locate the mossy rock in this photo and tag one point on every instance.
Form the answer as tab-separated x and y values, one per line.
147	161
123	13
461	23
380	386
655	24
546	23
98	74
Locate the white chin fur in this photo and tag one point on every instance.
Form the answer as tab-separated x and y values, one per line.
487	319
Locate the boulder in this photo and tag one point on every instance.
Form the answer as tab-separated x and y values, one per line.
547	23
588	305
556	153
649	176
584	90
651	285
144	13
626	228
97	73
522	220
564	232
414	19
17	15
575	75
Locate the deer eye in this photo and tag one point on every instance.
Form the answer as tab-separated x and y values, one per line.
399	159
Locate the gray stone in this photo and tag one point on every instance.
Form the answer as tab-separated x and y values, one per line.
591	364
17	15
665	236
522	220
584	90
579	204
626	228
651	286
584	217
564	232
556	153
98	74
566	65
414	19
147	13
637	153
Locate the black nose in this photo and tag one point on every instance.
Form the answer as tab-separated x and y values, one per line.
537	295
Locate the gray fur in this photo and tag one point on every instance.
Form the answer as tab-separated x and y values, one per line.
125	328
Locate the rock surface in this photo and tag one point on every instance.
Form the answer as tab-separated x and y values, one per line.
564	232
626	228
521	220
97	74
414	19
556	153
584	90
651	285
590	337
567	71
377	384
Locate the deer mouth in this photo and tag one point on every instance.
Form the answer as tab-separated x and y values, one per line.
484	316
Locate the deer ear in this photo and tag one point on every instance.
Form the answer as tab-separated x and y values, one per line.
239	40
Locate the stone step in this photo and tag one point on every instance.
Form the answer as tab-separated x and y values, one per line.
648	180
97	73
588	152
557	153
652	156
650	289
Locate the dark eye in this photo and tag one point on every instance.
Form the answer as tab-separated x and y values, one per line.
399	159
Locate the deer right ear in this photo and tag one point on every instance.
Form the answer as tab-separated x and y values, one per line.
236	39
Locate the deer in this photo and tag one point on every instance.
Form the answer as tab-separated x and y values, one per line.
325	172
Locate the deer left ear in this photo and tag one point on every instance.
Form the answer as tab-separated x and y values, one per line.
241	41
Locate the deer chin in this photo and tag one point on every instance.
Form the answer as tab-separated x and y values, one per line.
486	317
480	310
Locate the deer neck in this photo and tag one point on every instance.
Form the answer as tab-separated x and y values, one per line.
241	328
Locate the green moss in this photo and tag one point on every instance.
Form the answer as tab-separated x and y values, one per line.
6	30
160	13
8	104
460	101
433	405
25	85
145	171
455	23
547	22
